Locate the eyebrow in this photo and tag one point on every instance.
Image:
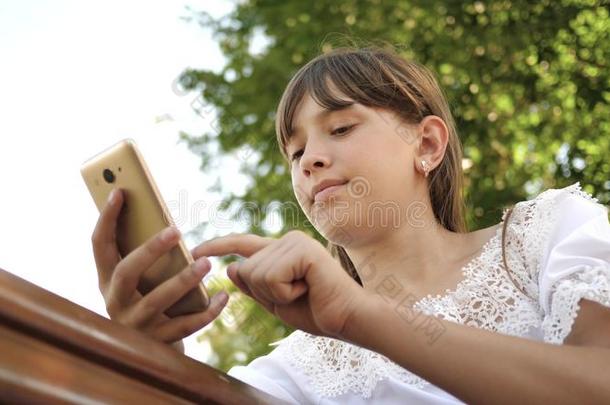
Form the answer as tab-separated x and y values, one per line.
322	115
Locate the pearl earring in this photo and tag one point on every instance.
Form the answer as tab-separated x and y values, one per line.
424	166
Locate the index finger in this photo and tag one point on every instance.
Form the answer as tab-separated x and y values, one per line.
244	245
105	250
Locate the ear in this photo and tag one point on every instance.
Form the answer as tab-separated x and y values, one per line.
432	142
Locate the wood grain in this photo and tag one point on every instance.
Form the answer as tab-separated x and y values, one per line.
30	311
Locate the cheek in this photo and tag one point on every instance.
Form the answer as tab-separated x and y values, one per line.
300	193
386	174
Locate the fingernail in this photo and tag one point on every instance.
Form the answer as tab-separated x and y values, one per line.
169	234
111	196
223	297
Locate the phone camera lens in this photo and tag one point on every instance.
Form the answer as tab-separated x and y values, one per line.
108	176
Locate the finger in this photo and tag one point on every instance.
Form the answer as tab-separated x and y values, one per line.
103	239
285	279
234	277
240	272
274	280
280	290
170	291
241	244
182	326
233	274
129	271
257	271
272	275
249	289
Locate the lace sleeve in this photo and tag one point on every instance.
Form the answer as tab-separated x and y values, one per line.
575	260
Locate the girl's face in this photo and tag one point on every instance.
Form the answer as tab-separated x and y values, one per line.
369	152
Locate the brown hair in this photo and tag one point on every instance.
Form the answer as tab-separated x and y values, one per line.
504	225
377	77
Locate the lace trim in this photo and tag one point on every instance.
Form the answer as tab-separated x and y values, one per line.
334	367
485	298
533	221
592	283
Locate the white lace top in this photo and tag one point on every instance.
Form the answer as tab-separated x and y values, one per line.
558	251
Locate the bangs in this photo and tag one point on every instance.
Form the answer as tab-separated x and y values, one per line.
317	83
342	78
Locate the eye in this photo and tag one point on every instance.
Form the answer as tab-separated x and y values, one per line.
342	130
338	131
297	154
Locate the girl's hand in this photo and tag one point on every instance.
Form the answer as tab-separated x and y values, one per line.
293	277
118	279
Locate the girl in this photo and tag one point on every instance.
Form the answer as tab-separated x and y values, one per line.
404	305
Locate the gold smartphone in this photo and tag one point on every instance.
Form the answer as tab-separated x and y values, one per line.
143	214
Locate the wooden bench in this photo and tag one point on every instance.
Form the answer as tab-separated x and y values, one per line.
54	351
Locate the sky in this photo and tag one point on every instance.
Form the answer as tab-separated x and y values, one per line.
75	78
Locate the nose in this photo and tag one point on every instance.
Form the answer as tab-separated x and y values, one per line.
312	160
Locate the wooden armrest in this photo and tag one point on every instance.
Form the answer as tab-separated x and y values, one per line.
125	361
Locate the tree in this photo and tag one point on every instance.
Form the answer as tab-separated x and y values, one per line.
527	82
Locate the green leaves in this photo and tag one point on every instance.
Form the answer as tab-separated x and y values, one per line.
527	82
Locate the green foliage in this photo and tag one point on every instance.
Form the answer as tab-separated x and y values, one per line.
528	83
243	330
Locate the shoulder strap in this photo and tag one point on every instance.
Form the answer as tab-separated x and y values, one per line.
504	225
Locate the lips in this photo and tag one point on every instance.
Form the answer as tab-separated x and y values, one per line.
325	184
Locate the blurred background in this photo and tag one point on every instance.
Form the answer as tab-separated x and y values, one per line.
196	85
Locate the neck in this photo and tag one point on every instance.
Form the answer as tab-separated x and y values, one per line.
410	254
